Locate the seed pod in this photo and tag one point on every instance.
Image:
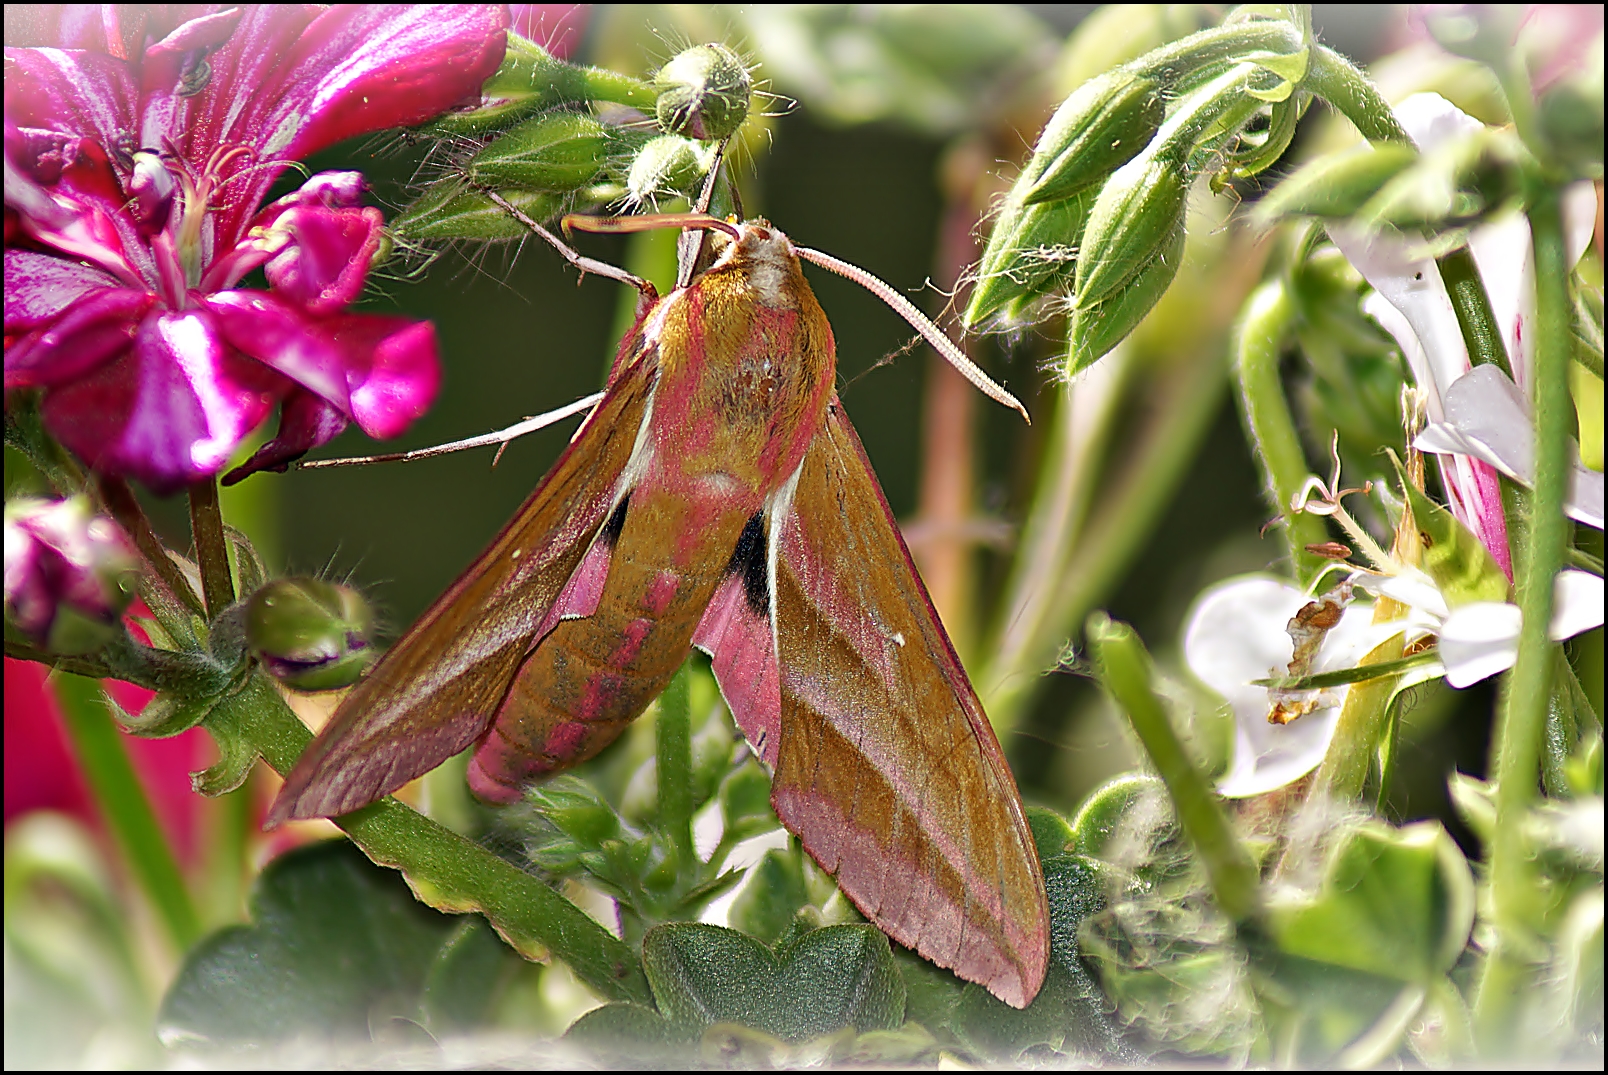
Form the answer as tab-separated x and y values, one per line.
1032	253
309	634
1100	326
454	210
1137	216
1097	130
704	93
557	151
1336	185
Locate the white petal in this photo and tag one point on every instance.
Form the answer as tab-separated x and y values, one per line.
1506	262
1479	640
1412	588
1491	418
1415	289
1579	219
1430	120
1585	495
1576	604
1234	634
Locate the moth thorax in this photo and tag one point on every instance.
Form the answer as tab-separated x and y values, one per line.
767	256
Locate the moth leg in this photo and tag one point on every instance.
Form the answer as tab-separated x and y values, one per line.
645	289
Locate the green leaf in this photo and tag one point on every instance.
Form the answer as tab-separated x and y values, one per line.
333	938
1070	1014
831	978
1051	834
630	1032
1397	903
767	905
468	973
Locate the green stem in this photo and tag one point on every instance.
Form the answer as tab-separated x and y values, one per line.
1360	729
1184	399
211	547
1125	671
672	732
1258	342
124	506
1514	889
456	875
124	805
1481	334
1341	83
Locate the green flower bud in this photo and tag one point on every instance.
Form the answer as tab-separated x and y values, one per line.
533	80
704	93
1032	252
1099	326
557	151
668	164
309	634
1095	131
1137	217
454	210
1336	185
1451	186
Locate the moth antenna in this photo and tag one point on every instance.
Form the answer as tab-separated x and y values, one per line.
501	437
921	323
649	293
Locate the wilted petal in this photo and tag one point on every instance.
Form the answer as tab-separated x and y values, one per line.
171	410
305	422
1235	634
59	553
96	329
327	261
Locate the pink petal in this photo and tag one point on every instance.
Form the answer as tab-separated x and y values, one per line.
171	410
305	422
281	335
326	265
39	287
366	68
402	373
89	94
98	327
555	27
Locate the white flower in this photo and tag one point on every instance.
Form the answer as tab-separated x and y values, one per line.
1236	634
1478	639
1476	428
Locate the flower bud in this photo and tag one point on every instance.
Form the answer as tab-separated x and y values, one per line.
558	151
1335	185
69	574
704	93
533	80
668	164
309	634
1099	326
457	211
1138	215
1097	130
1453	185
1031	253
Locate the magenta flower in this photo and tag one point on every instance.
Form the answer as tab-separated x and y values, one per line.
555	27
138	153
69	573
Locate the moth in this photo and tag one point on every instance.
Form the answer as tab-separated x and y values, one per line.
718	497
